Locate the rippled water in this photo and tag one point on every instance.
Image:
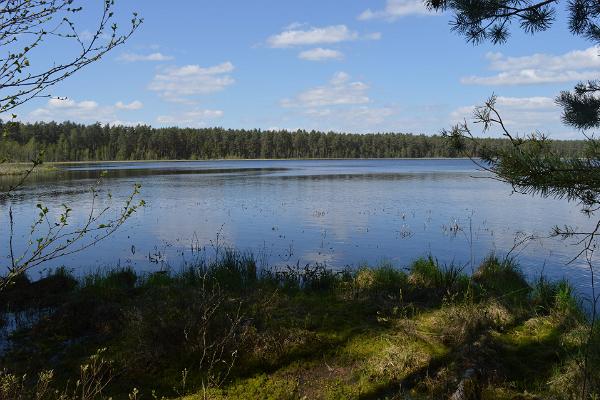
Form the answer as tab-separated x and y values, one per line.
339	212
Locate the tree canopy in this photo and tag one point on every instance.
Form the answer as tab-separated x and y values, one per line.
75	142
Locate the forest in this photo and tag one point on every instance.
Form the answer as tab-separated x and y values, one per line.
70	141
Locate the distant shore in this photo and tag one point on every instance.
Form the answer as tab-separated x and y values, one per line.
21	168
58	163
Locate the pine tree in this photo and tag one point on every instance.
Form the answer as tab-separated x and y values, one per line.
531	164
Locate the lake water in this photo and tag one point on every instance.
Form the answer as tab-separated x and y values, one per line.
338	212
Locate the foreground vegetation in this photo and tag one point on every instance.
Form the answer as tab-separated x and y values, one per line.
225	330
75	142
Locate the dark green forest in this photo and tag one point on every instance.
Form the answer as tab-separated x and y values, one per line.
75	142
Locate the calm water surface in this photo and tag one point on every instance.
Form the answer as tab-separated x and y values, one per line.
338	212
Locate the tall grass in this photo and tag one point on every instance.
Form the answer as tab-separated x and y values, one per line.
224	319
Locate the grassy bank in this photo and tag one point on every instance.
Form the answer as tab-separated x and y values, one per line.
224	330
16	169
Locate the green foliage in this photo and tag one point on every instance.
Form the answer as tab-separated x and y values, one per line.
490	20
74	142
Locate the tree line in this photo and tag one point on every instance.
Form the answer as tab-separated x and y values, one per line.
70	141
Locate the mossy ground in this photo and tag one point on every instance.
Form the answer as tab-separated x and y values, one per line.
224	330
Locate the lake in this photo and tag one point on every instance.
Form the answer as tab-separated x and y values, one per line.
337	212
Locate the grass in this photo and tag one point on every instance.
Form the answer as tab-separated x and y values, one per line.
16	169
225	330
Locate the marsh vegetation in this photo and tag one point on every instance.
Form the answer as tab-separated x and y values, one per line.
225	329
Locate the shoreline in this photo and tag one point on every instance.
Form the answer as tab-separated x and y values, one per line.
19	168
234	159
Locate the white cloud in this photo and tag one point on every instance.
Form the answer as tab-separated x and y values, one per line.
373	36
523	115
576	59
133	57
342	104
353	119
395	9
527	103
355	116
339	91
511	105
68	109
294	36
320	54
529	77
86	111
540	68
176	83
68	104
134	105
196	117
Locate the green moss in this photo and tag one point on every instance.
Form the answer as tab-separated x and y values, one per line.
259	387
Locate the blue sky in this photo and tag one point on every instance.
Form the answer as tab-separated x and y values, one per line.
353	66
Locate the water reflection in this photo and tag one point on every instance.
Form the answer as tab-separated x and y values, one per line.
339	212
